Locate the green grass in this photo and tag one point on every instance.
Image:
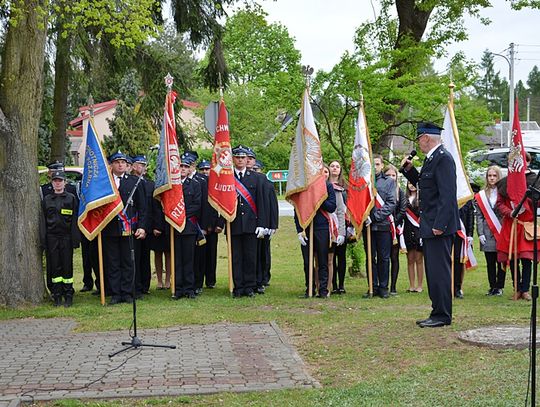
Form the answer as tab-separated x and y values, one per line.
365	352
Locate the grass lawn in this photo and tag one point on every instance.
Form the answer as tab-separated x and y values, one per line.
364	352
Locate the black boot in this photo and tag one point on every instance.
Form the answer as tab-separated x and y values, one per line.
69	301
57	300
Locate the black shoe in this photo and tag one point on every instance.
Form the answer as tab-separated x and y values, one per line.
323	295
432	323
191	295
459	294
421	321
177	296
115	300
250	294
96	292
211	286
342	291
498	292
336	291
260	290
57	301
129	300
69	302
368	295
198	291
491	291
383	293
85	289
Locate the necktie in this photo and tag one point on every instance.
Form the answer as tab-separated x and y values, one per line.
240	176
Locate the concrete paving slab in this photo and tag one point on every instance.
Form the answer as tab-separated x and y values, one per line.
43	359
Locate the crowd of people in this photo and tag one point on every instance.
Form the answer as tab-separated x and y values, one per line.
422	220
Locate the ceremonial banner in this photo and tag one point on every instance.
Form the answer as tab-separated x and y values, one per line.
221	181
306	186
517	164
361	194
168	185
450	141
99	198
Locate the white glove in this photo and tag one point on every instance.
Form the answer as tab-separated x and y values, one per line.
270	233
259	232
302	238
340	240
522	210
469	240
482	239
421	242
368	221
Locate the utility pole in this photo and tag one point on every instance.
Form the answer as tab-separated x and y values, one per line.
511	93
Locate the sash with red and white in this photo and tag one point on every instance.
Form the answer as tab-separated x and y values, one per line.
332	225
467	254
379	203
489	215
244	193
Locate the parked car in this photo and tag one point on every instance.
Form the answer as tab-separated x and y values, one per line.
479	160
73	174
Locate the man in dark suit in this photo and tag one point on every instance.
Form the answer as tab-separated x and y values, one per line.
248	226
143	256
439	219
116	235
184	243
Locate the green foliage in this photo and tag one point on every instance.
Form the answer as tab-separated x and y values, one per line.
132	132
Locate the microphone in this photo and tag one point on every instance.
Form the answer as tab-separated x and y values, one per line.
409	158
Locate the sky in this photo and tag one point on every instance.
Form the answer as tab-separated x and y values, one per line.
324	30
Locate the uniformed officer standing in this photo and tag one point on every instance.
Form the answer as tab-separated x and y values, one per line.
209	224
439	219
116	235
138	168
60	235
264	258
184	243
47	189
248	226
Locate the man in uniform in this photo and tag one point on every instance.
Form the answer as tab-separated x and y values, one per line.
185	242
264	259
439	219
138	169
47	189
59	236
209	225
116	235
248	226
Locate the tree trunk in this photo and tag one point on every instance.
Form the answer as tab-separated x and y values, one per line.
21	88
62	69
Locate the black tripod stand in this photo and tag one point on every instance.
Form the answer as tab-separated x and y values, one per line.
135	341
534	194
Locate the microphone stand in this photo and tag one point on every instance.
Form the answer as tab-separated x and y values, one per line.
534	194
135	342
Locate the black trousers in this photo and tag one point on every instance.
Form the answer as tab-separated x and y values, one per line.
145	269
184	253
60	255
211	259
321	241
458	265
381	246
438	265
523	274
199	264
118	265
340	266
244	254
263	261
495	271
88	279
394	266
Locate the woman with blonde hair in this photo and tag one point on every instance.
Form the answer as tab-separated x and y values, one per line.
488	222
339	255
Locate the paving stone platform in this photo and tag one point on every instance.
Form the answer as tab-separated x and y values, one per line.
498	337
42	359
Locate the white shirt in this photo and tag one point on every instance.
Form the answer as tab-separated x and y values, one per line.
243	172
430	152
117	179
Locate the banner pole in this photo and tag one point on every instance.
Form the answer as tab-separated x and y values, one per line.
101	277
369	265
310	272
514	225
229	256
173	276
